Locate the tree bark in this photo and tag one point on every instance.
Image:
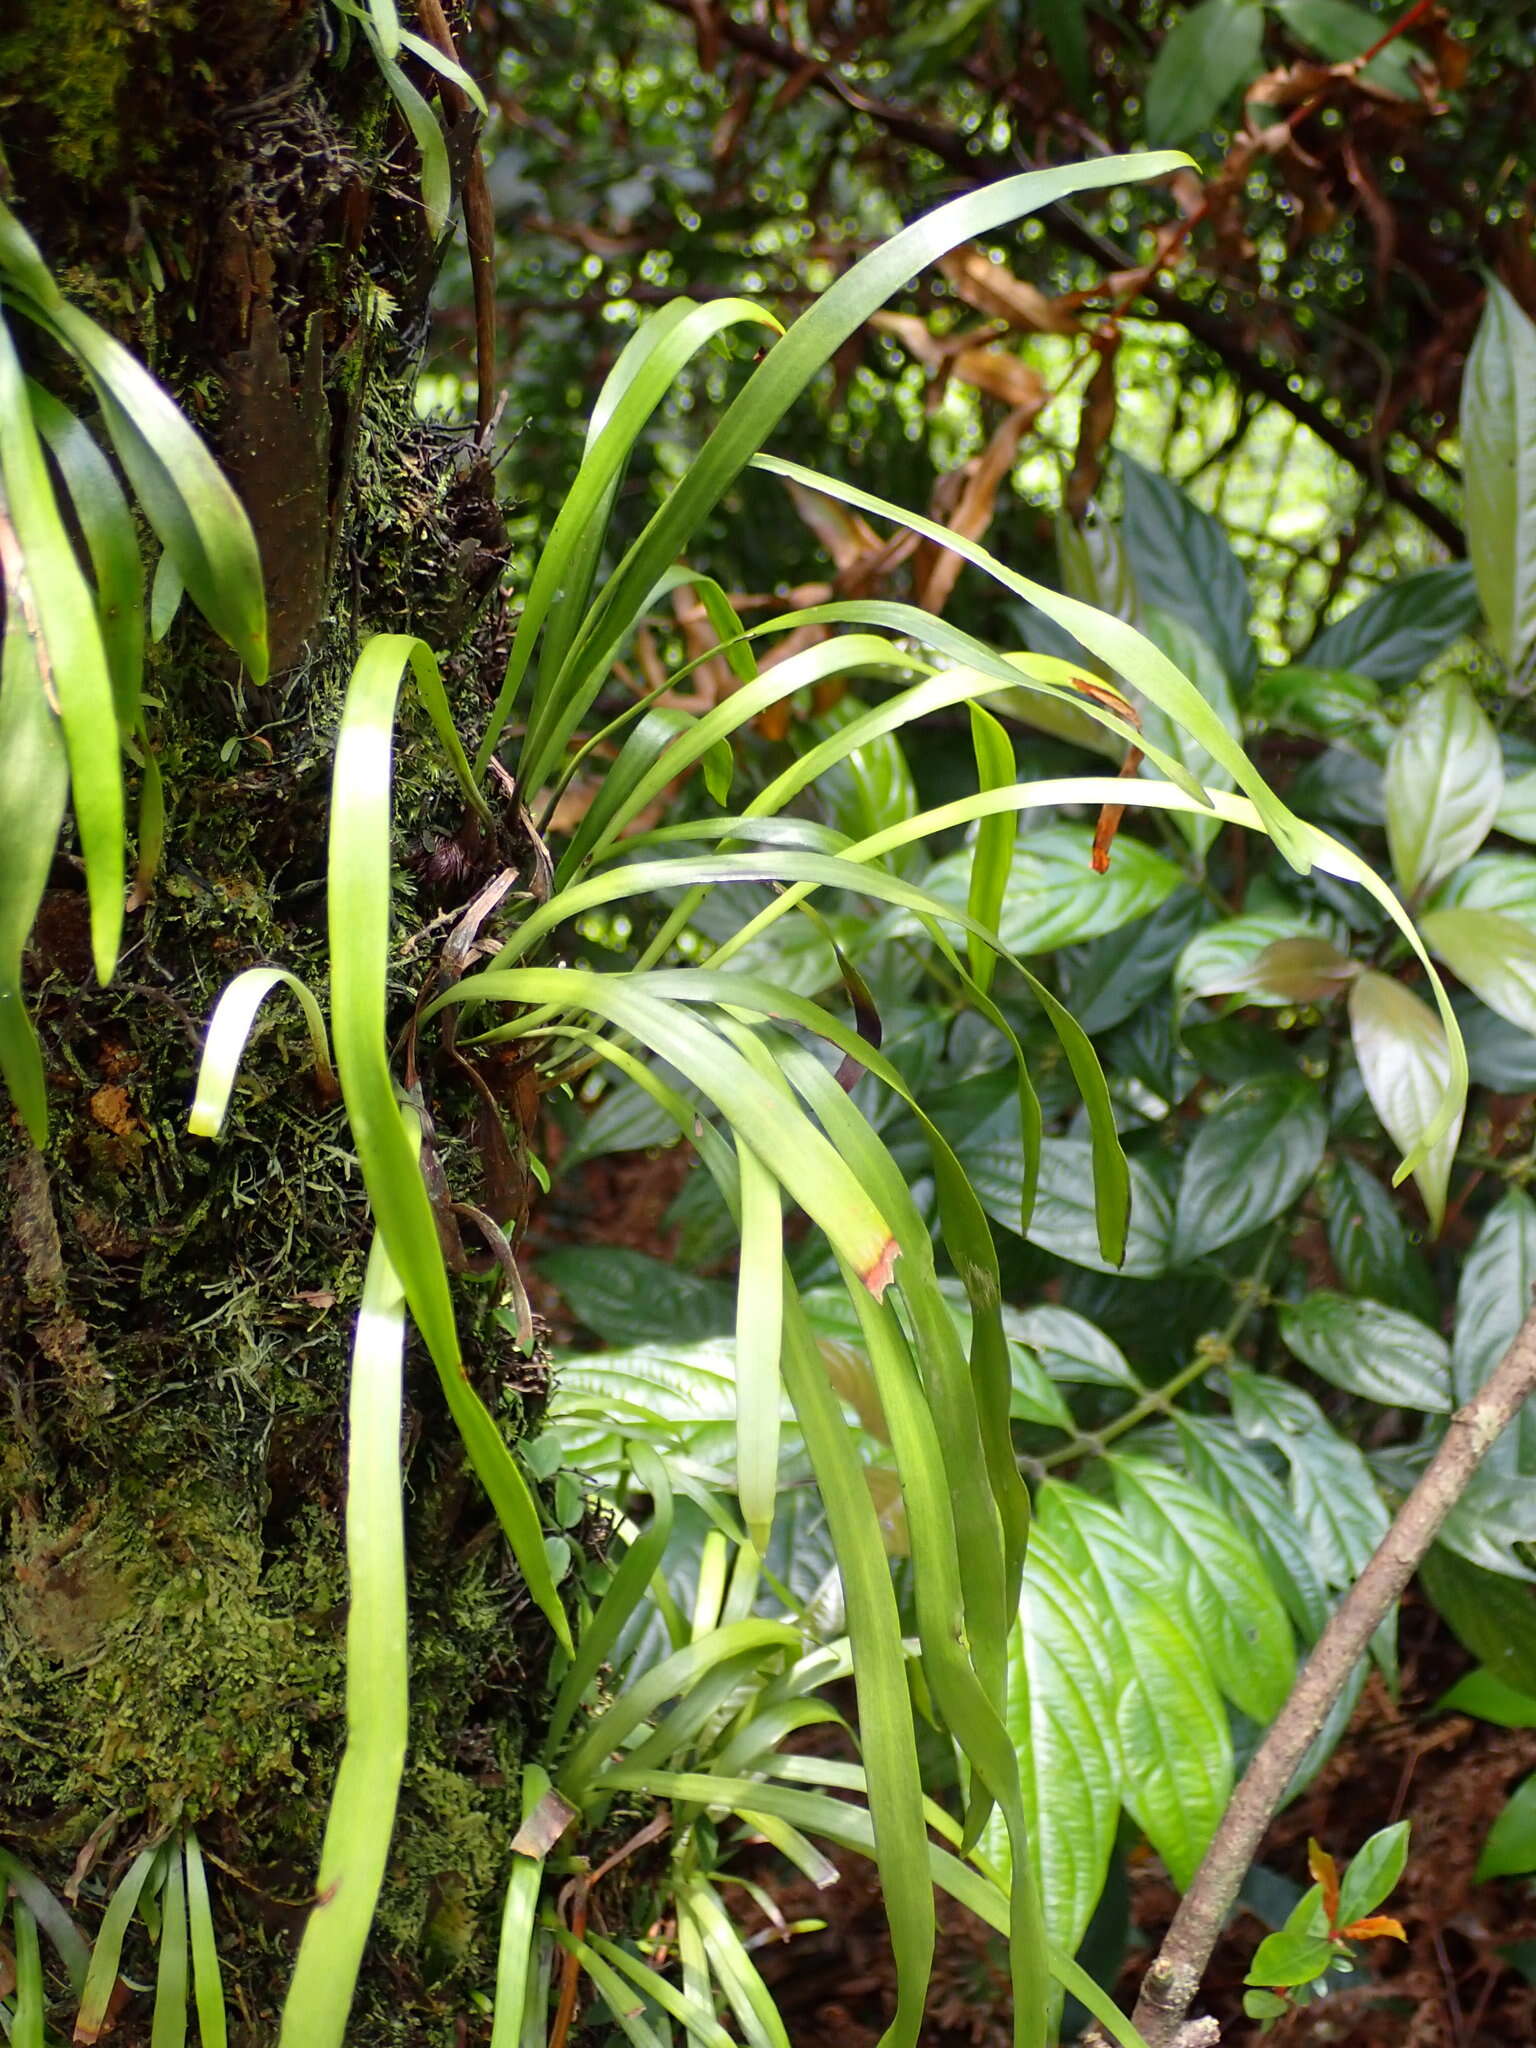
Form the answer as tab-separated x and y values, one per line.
230	189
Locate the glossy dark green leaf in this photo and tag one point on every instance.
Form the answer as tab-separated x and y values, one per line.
1510	1850
1223	959
1492	1616
1106	980
1495	1293
1327	703
1071	1348
1393	636
1234	1474
1065	24
1242	1624
1370	1349
1488	1698
629	1299
1179	555
1213	50
1369	1243
1498	433
1333	1493
1053	897
1256	1152
1444	782
1494	955
1404	1062
1065	1220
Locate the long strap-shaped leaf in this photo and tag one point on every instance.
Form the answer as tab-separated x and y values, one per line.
362	1817
55	602
1129	653
207	1978
34	782
185	495
774	386
514	1956
647	368
107	1950
874	1623
793	1150
358	908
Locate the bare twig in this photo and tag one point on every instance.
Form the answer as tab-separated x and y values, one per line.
1172	1980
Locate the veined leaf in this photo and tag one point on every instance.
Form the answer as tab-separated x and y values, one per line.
1445	778
1183	563
1174	1744
1494	955
1212	50
1499	461
1406	1065
1250	1158
1370	1349
1242	1624
1061	1715
1393	636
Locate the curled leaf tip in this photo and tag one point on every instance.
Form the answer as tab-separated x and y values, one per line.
878	1276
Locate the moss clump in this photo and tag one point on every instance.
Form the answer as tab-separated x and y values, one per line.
80	68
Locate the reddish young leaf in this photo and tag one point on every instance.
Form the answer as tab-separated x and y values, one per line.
1373	1928
1326	1873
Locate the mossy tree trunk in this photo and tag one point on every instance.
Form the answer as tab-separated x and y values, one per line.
229	188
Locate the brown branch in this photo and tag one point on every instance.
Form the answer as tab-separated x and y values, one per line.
1174	1977
1212	330
479	224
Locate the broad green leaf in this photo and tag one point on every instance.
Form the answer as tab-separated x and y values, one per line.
1369	1244
1169	1723
1064	1220
1366	1348
1332	1490
1494	955
1212	50
1339	31
1286	1958
1517	807
1109	979
1404	1062
1060	1714
625	1119
1243	1630
1489	1698
1065	25
1445	777
361	1821
1498	440
1236	1478
1505	882
630	1299
1510	1850
1329	703
1182	560
1494	1521
1492	1616
1255	1153
1071	1348
1373	1873
1498	1276
1222	959
1053	898
1393	636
